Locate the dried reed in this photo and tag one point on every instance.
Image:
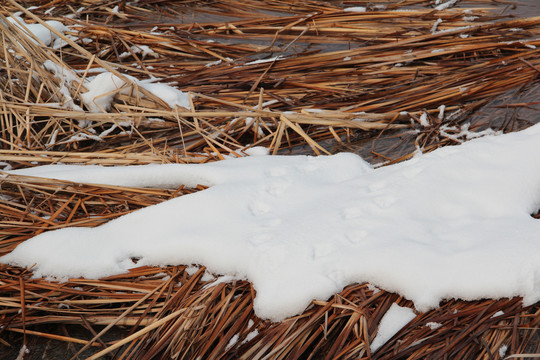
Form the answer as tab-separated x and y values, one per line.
281	74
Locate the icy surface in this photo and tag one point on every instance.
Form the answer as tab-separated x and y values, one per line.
454	223
395	318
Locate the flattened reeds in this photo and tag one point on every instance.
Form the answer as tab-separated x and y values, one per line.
246	75
288	75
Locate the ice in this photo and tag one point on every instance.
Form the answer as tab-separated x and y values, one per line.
393	320
454	223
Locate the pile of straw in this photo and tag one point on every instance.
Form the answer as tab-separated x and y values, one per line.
302	77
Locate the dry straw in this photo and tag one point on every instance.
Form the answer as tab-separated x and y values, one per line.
302	77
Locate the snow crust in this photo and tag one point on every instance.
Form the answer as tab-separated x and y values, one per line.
454	223
394	320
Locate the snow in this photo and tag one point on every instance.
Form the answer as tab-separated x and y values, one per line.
446	5
441	109
66	77
262	61
373	288
144	50
502	351
435	25
355	9
232	342
463	133
103	87
433	325
424	119
39	31
394	320
454	223
250	336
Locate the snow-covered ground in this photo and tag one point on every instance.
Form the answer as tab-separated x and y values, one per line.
452	223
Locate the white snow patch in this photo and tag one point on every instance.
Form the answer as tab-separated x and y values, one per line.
144	50
262	61
232	342
446	5
41	32
66	77
103	87
424	119
502	351
257	151
250	336
394	320
295	226
373	288
442	109
433	325
355	9
461	134
435	25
